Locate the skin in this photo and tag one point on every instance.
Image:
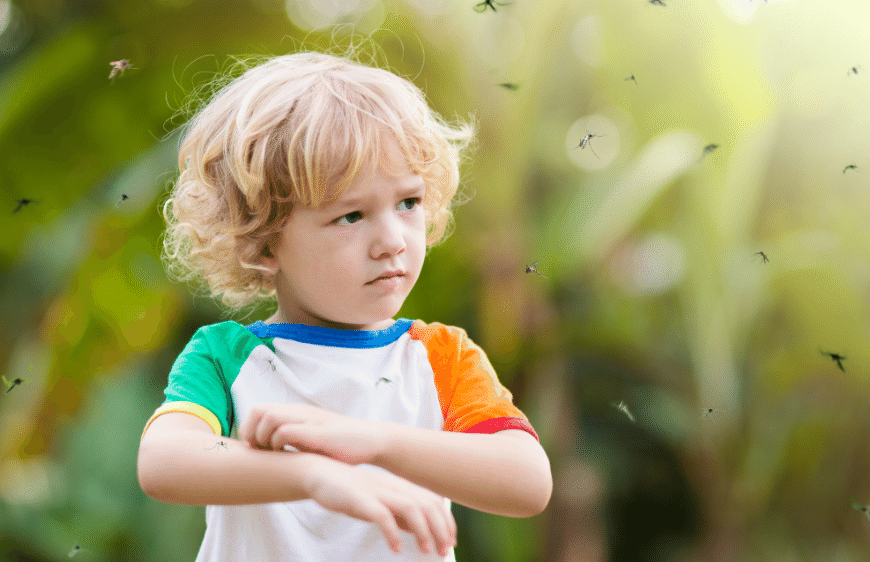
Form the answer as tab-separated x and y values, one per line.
327	256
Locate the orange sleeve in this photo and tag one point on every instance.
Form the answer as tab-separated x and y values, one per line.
471	396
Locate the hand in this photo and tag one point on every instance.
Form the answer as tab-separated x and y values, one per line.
314	430
387	500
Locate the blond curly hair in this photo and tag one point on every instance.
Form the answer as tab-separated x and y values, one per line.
294	130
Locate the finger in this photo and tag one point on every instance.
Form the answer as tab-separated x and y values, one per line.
293	435
443	526
440	518
419	524
268	424
246	430
385	520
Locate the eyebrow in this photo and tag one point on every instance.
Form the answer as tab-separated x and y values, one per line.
355	202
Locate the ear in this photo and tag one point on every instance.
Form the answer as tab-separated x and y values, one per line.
270	263
268	260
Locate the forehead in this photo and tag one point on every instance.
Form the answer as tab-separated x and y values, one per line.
386	168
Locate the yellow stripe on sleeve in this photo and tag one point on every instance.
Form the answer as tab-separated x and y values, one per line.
201	412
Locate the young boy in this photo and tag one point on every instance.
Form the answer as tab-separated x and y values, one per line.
322	432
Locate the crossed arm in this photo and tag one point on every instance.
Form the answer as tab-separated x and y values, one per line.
505	473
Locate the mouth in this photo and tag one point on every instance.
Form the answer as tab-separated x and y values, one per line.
388	275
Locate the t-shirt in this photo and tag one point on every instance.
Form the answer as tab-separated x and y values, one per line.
429	376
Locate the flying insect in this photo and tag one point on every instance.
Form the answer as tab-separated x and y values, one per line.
622	408
836	357
707	150
585	141
22	203
119	66
489	3
531	269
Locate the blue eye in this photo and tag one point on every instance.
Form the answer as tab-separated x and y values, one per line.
414	202
356	214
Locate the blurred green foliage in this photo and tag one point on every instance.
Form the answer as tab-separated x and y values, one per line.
748	444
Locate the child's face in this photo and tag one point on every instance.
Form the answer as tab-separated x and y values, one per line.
328	258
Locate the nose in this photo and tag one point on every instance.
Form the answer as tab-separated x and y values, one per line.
388	238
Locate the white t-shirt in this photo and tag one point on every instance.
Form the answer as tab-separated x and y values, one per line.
429	376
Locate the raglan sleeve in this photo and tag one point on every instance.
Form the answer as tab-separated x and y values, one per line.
471	396
197	386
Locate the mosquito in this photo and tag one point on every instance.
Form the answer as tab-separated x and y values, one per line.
489	3
585	141
763	256
657	3
22	203
708	412
853	70
218	444
531	269
707	150
383	379
836	357
122	199
863	508
632	79
850	167
76	549
513	87
14	383
119	66
622	408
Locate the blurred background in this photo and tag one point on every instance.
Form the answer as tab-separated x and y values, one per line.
698	255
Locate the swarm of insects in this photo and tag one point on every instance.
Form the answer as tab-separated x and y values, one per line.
119	66
488	3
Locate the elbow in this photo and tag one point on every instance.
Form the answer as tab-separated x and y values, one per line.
543	490
148	477
540	485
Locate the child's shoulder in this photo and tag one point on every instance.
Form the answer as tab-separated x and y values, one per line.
437	333
223	329
229	334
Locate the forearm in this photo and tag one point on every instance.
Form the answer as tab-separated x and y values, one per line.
196	468
487	472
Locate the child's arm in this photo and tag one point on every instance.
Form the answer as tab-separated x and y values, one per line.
505	473
181	460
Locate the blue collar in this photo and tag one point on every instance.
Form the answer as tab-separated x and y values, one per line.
333	337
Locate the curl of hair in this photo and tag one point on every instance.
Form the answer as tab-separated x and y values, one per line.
295	130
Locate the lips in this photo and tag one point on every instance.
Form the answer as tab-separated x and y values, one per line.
387	275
